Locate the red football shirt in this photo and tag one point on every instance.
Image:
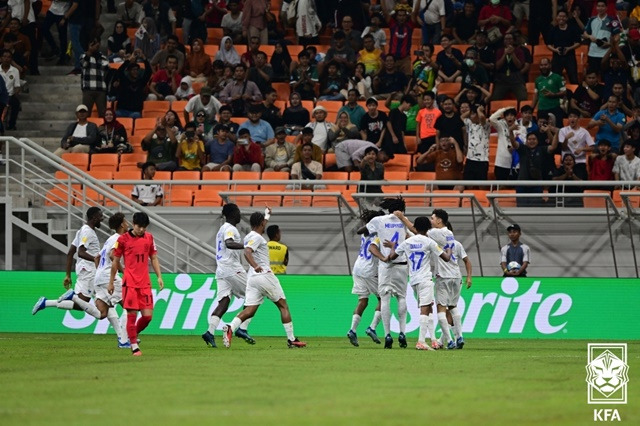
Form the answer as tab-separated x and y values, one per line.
136	252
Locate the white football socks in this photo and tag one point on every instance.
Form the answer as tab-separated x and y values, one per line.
355	320
51	303
431	330
377	316
114	320
245	324
444	326
65	304
214	321
235	324
123	327
457	322
89	308
422	333
288	328
402	313
385	309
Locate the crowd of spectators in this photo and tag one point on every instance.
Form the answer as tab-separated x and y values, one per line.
472	72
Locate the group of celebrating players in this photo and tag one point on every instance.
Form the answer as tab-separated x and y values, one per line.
391	248
390	244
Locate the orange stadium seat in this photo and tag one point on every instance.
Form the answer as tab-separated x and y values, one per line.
130	161
300	199
178	106
143	125
104	162
243	200
207	197
270	200
186	175
179	197
78	159
401	162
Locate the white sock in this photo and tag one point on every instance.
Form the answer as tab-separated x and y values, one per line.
123	327
87	307
444	326
245	324
377	316
112	316
288	328
51	303
355	320
65	304
134	346
422	333
430	328
457	323
235	324
402	313
385	310
213	324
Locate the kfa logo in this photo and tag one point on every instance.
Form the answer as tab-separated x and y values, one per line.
607	373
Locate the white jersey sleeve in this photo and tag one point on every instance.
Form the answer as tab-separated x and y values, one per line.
228	261
103	273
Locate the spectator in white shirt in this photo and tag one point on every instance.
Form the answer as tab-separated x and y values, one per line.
11	77
627	166
147	195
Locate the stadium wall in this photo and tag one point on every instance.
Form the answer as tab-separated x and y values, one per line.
321	305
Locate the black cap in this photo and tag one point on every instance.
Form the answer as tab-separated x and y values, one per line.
514	227
307	131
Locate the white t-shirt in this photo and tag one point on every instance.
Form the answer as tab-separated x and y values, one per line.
211	109
59	7
11	79
580	139
80	131
478	140
387	227
17	10
503	155
258	244
417	250
379	37
86	237
147	193
103	273
366	264
457	254
228	261
235	25
628	170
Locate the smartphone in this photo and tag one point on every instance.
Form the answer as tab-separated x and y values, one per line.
243	141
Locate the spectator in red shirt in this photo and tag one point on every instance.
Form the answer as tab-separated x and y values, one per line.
601	163
400	32
137	247
495	15
165	82
247	155
510	60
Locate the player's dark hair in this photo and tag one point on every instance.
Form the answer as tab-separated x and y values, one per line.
141	219
526	108
448	225
272	231
393	204
256	219
369	149
408	99
422	224
441	214
116	220
92	212
229	209
367	215
510	111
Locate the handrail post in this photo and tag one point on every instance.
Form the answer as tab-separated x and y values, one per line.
8	234
613	250
627	204
475	232
344	234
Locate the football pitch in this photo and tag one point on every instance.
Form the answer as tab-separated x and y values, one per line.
85	379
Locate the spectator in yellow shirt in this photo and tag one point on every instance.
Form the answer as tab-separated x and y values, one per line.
278	252
370	56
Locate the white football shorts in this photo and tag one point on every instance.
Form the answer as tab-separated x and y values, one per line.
260	286
233	285
392	278
85	282
424	292
448	291
365	286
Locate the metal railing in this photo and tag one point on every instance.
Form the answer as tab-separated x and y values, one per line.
176	249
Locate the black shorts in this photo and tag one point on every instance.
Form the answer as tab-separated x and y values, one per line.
476	170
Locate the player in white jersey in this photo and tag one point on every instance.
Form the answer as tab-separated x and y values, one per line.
87	246
451	295
365	283
261	282
418	249
392	276
230	274
447	272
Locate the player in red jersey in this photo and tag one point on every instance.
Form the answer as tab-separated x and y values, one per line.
137	247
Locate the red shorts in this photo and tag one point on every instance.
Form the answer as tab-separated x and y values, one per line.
137	298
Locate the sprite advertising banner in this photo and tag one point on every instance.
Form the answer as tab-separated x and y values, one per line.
322	305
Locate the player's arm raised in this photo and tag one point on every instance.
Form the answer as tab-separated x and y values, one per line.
155	263
405	221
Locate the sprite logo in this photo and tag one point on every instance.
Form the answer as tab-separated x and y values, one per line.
504	308
512	309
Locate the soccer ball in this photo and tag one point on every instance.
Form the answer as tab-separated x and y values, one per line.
513	265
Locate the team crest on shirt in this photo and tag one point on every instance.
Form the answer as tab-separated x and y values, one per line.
84	240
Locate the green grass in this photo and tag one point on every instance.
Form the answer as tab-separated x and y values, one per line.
84	379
